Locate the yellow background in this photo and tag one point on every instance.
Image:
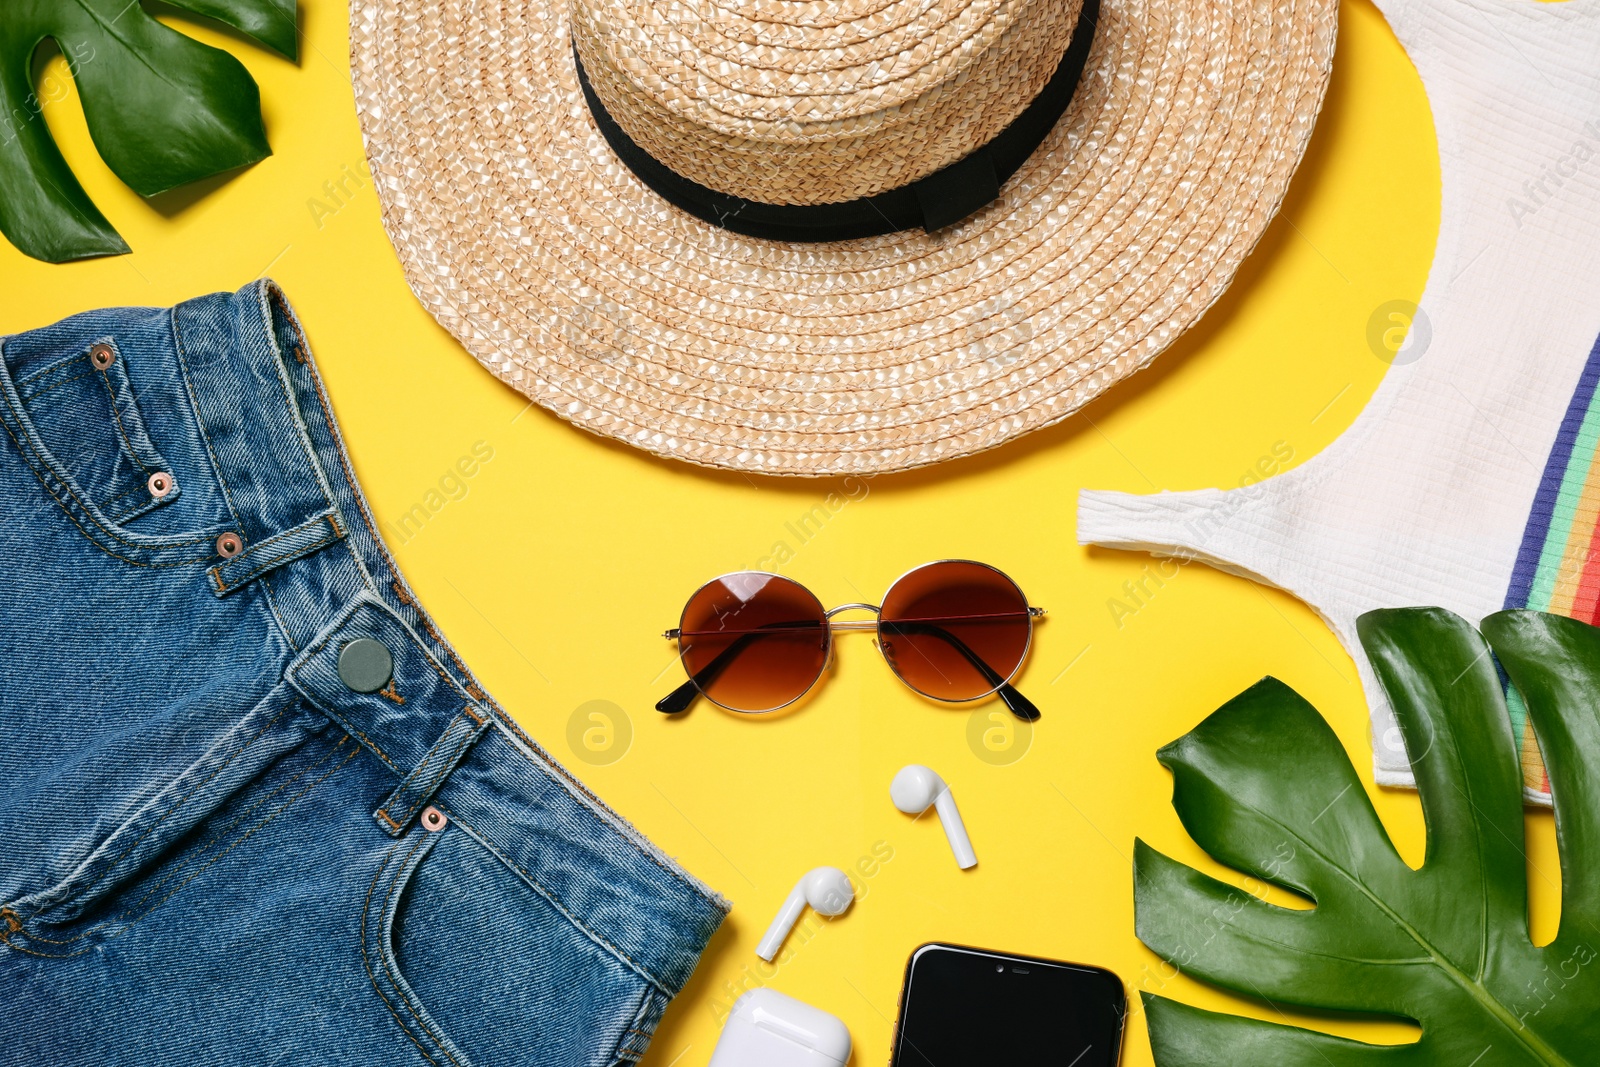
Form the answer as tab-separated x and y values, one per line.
567	555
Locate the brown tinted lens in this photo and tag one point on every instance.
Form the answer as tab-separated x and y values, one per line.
954	631
754	642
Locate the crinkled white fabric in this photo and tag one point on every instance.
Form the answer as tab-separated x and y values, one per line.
1424	499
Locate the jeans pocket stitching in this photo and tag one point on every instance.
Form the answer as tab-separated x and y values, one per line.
381	946
222	836
128	512
153	827
126	492
53	385
627	1050
121	403
116	417
41	470
14	927
67	495
551	898
355	750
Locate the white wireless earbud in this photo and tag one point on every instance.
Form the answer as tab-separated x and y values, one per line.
915	788
826	889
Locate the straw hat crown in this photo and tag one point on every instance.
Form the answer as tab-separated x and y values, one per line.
537	163
817	101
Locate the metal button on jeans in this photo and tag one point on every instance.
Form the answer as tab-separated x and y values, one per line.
102	356
160	484
229	545
365	666
433	818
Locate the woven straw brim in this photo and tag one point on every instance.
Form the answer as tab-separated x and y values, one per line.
578	286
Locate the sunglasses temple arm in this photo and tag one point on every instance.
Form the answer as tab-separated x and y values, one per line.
1020	706
679	699
682	697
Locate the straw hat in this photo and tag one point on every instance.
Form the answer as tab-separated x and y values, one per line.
765	234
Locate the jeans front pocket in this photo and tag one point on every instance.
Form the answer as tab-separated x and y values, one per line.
83	410
477	967
76	421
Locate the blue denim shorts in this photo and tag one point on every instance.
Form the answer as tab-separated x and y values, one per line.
257	810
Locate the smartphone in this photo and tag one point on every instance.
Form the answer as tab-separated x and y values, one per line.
965	1007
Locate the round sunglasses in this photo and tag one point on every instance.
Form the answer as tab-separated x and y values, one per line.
755	642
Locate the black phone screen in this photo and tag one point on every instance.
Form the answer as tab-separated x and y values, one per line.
963	1007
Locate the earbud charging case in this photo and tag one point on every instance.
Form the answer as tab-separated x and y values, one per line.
768	1029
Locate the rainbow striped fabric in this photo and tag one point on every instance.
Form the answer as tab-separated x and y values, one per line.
1558	566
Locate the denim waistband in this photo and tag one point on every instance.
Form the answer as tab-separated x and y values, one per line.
312	552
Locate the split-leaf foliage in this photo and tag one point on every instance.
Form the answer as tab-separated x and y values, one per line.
163	109
1264	786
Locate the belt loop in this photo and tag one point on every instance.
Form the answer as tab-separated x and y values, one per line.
241	568
418	787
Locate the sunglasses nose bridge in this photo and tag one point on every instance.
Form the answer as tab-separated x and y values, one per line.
856	606
837	626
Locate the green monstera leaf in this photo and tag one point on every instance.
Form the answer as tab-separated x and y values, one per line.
1264	787
163	110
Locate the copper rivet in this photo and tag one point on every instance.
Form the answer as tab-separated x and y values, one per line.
102	356
433	818
160	484
229	545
